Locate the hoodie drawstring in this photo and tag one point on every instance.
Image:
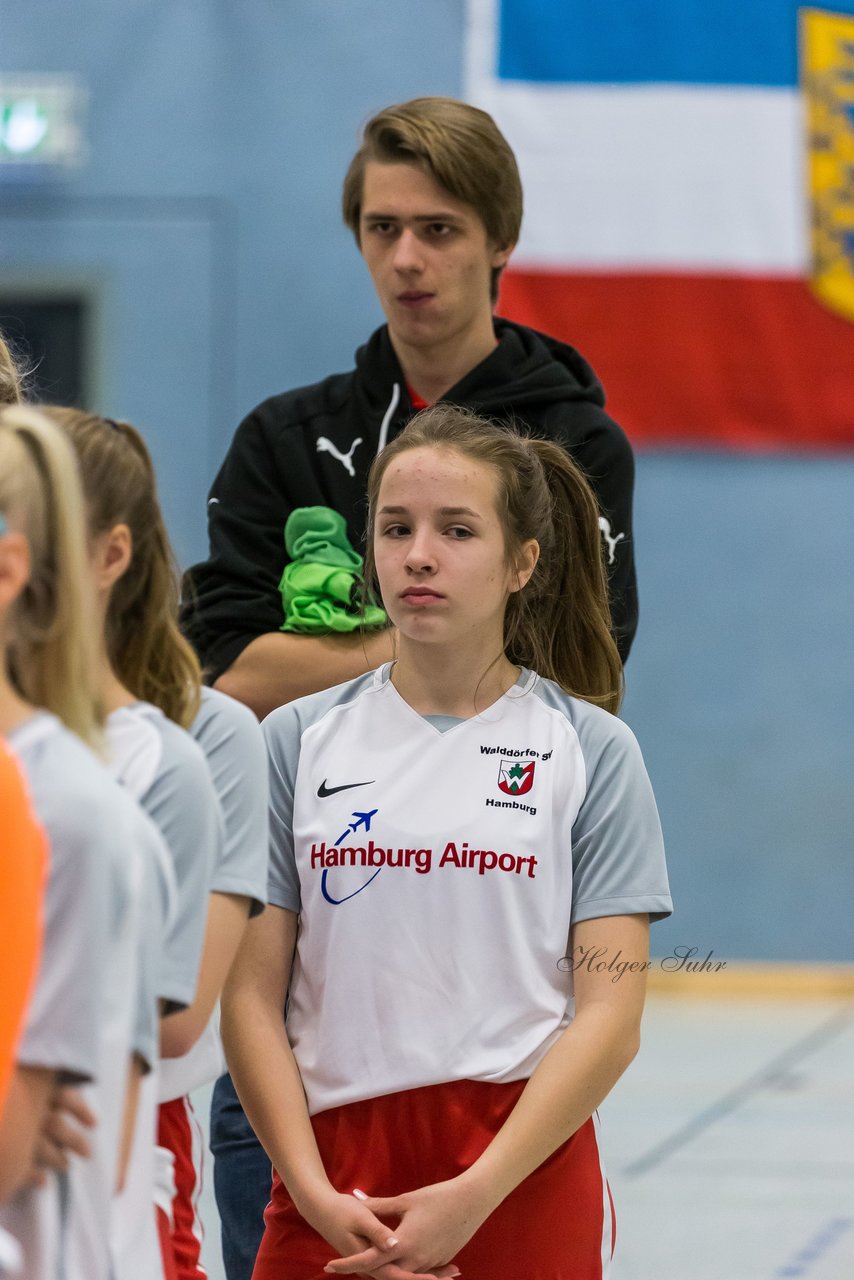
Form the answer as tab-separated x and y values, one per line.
389	414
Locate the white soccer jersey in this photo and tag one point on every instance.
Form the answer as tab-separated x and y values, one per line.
11	1259
233	746
88	986
437	875
134	1243
129	1024
164	770
166	773
159	908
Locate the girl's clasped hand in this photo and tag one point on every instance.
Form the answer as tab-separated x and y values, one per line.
434	1223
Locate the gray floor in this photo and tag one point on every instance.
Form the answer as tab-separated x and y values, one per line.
729	1143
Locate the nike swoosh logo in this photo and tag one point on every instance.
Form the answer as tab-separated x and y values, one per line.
323	791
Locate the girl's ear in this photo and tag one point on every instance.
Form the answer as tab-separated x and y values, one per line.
526	563
14	567
111	553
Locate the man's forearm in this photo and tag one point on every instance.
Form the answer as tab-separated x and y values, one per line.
280	666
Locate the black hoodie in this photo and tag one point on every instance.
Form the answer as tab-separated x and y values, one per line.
314	446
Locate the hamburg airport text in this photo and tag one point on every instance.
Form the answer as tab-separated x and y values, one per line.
460	856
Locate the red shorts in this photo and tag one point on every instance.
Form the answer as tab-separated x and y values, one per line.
179	1131
557	1225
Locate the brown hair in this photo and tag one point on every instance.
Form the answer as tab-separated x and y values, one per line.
559	622
145	647
50	650
10	378
464	150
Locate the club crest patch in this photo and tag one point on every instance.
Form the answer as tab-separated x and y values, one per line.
516	777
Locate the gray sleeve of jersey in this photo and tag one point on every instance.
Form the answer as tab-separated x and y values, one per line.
234	748
617	846
159	894
63	1020
183	805
281	731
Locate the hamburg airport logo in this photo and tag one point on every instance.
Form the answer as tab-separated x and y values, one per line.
361	822
516	777
344	865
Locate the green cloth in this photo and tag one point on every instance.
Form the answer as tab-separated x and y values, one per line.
321	587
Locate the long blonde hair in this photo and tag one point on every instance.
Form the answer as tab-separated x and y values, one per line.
50	642
145	647
559	624
10	377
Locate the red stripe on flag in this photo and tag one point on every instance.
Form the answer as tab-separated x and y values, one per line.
702	360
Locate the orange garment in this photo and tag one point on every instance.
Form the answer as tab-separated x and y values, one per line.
23	868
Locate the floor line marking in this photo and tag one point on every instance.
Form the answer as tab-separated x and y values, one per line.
816	1248
730	1101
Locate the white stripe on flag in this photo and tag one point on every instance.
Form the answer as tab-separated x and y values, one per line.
650	176
669	177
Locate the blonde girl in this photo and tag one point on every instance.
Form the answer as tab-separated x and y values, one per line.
85	1025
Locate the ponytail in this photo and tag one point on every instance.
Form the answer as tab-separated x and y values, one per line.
559	623
146	650
50	644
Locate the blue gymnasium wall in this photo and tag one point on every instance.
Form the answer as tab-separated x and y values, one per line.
205	227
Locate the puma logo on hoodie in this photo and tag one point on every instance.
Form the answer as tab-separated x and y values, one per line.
346	459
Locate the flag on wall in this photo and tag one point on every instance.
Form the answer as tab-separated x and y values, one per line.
689	206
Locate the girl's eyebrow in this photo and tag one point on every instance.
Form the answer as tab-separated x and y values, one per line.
443	511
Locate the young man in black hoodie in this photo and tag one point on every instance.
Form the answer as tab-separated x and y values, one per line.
434	201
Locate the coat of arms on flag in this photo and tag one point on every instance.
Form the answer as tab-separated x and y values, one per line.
515	777
827	73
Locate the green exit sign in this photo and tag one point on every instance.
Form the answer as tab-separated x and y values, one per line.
41	120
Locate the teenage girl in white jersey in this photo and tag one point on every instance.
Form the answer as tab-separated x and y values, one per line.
85	1025
152	686
23	866
453	838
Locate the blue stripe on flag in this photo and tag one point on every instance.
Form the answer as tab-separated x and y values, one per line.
729	42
